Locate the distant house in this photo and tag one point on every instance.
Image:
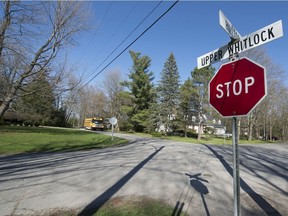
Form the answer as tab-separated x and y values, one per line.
219	130
213	127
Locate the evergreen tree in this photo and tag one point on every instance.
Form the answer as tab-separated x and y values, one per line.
168	93
153	118
141	89
37	100
40	99
188	102
200	80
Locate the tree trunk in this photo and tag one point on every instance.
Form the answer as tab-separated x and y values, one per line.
5	105
199	131
270	131
283	132
265	129
185	132
239	129
257	133
250	128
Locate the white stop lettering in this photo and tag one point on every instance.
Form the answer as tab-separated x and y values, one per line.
236	87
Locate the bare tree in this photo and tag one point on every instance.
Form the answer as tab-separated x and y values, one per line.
265	113
91	102
32	35
113	88
69	94
283	112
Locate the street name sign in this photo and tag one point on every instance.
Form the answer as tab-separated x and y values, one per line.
227	26
255	39
238	87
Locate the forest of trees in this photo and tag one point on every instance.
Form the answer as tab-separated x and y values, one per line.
37	86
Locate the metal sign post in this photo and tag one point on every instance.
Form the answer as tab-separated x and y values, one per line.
236	171
113	121
112	132
236	175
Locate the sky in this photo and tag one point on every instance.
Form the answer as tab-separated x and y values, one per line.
189	30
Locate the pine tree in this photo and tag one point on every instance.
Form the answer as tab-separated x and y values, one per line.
142	90
37	100
188	97
200	80
168	93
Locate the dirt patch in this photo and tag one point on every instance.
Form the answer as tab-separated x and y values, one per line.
52	212
114	203
131	200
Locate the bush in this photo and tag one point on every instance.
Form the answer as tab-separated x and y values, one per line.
28	123
2	122
192	133
125	126
46	122
36	124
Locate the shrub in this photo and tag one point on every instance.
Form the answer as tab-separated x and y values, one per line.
192	133
36	124
28	123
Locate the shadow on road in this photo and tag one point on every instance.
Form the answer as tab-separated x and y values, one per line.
197	185
97	203
261	202
274	163
178	209
41	165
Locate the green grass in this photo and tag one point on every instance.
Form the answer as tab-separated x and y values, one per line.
205	140
214	140
17	139
139	207
122	206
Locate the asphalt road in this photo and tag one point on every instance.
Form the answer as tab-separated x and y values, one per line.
194	178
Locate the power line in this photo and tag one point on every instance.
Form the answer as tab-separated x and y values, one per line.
131	43
123	40
113	34
97	29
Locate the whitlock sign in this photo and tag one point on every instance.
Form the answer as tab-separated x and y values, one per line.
255	39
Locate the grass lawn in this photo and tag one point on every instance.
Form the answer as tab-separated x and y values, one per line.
204	140
123	206
136	207
215	141
17	139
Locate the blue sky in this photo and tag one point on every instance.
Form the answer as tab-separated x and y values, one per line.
189	30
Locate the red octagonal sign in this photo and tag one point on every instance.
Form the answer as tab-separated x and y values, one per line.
237	87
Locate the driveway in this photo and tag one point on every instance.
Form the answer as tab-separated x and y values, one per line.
193	178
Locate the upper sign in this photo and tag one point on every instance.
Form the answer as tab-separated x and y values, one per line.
257	38
228	27
237	87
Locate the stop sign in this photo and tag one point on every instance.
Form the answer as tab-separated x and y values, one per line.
237	87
